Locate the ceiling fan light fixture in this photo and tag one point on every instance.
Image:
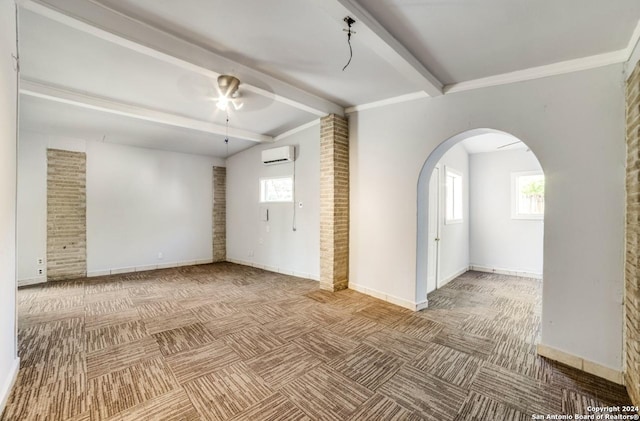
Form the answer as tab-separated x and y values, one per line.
228	85
222	103
228	89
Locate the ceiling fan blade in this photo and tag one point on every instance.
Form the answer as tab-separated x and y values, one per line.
196	87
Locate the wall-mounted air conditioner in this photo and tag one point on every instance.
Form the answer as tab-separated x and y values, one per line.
279	155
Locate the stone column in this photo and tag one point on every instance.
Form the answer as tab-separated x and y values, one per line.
66	215
219	214
632	272
334	203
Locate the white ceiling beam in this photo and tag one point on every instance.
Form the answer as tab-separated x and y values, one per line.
376	37
532	73
388	101
295	130
82	100
100	21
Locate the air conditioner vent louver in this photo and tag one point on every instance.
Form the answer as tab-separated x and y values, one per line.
279	155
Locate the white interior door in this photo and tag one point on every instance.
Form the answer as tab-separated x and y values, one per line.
433	231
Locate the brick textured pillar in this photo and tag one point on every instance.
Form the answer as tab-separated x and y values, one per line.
632	270
219	214
66	215
334	203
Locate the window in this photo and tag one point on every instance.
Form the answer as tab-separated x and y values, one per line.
278	189
527	195
453	197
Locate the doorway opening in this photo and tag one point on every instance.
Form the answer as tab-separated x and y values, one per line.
480	207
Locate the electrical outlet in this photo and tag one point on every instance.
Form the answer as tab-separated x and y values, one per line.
40	271
40	261
250	254
160	256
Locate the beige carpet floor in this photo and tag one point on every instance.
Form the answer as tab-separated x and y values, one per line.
227	342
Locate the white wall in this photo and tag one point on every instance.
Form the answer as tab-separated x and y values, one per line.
140	202
496	240
574	123
454	238
633	60
32	200
32	209
8	358
279	249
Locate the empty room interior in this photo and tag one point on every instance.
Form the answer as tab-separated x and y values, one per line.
319	210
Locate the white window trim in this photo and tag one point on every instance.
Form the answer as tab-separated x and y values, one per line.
448	169
274	178
514	204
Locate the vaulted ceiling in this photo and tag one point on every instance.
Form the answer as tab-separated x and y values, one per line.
143	72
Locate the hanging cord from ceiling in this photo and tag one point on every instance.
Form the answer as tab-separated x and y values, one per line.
226	136
349	21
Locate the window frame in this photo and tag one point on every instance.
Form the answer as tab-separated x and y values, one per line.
459	175
515	197
261	197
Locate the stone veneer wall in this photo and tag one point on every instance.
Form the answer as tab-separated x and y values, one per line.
219	214
632	270
66	215
334	203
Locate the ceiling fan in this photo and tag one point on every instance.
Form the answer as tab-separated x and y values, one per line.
228	93
206	91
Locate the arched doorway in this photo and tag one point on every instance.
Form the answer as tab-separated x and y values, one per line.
425	246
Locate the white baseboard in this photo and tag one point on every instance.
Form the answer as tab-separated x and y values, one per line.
368	291
401	302
580	363
119	271
450	278
32	281
167	265
131	269
502	271
8	383
93	273
421	305
283	271
145	268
